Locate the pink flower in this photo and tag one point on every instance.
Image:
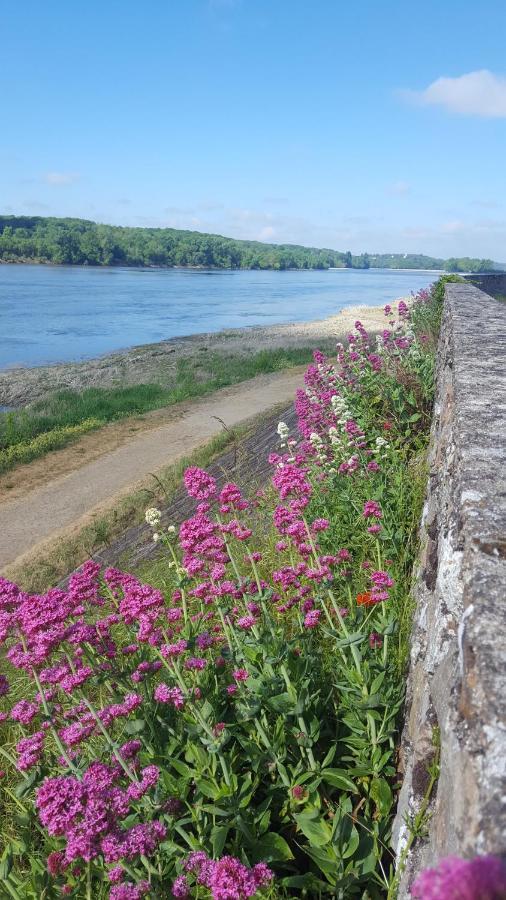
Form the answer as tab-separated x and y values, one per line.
320	524
481	878
165	694
246	622
199	484
227	878
24	711
298	792
372	509
240	674
375	640
180	887
196	663
312	618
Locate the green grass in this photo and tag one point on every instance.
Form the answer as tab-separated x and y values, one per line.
193	377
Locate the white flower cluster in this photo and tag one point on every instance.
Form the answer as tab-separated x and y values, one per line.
153	516
316	441
381	445
283	432
340	408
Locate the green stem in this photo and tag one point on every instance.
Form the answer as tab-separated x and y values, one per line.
54	732
109	740
414	827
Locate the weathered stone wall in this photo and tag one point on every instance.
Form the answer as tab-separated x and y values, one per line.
493	283
457	678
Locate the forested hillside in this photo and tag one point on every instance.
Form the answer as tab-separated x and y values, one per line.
81	242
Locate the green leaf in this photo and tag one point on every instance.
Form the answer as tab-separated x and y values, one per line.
6	863
208	789
182	768
338	779
352	844
314	827
271	847
218	839
135	726
381	793
26	784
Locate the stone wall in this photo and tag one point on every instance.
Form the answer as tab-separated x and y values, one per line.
493	283
457	681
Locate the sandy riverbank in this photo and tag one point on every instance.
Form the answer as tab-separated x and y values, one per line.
155	363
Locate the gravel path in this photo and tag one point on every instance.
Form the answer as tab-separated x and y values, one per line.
70	499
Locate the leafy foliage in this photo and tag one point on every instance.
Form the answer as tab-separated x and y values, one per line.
82	242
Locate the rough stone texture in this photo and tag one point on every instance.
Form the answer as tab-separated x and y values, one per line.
457	678
493	283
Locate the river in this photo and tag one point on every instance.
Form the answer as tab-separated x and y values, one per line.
52	314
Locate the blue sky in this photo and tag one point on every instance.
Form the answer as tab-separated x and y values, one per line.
363	126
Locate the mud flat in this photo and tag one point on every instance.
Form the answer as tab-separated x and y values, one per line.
155	363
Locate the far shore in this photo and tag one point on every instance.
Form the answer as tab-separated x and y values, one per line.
150	363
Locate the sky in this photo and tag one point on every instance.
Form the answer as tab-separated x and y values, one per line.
363	125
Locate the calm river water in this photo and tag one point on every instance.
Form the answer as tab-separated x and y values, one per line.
60	313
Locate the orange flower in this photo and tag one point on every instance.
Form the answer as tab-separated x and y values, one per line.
365	599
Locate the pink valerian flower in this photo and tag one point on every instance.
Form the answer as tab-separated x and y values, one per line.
149	777
204	641
56	863
119	710
177	649
227	878
24	711
375	641
196	663
246	622
128	891
240	674
374	529
199	484
381	579
88	813
30	751
231	497
298	792
180	887
174	615
4	686
231	689
320	524
312	618
291	481
481	878
172	695
372	509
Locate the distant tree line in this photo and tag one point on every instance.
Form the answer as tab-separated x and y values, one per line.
81	242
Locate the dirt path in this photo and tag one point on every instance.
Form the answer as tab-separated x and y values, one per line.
71	486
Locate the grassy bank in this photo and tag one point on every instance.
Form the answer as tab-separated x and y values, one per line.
64	415
61	556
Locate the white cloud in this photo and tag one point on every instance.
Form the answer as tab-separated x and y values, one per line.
266	234
478	93
400	188
60	179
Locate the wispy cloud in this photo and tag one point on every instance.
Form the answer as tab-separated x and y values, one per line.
399	188
478	93
61	179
